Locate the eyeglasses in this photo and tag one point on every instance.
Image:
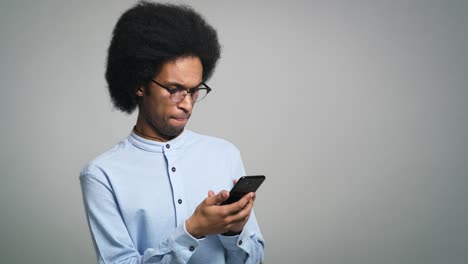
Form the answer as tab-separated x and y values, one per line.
178	94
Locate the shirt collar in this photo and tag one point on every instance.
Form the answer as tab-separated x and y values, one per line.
154	146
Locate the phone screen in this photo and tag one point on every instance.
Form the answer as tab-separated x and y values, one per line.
243	186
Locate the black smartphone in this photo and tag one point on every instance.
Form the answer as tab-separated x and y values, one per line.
244	185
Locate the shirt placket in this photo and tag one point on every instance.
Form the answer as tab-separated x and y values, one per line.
174	172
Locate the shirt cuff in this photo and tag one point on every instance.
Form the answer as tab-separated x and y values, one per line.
237	242
182	243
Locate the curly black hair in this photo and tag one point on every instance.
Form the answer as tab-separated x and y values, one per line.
148	35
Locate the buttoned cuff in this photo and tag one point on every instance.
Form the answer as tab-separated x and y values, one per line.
238	242
182	243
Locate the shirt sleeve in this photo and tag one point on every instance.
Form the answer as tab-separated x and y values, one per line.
248	246
112	241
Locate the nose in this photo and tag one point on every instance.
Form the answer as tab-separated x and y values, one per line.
186	104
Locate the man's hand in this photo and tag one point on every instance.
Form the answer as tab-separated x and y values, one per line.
212	218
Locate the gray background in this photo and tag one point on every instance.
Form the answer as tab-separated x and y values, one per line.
355	110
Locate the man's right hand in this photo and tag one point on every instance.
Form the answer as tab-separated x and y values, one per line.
212	218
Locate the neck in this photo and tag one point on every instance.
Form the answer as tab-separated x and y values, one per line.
143	135
145	130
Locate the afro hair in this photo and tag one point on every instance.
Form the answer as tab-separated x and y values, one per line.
148	35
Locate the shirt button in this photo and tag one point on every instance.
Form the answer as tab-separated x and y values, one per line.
240	242
192	248
168	146
179	201
173	169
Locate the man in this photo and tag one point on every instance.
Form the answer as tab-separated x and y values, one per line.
156	196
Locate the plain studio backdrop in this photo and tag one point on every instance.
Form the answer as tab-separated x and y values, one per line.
356	111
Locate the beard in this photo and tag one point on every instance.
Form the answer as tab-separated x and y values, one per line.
163	124
166	130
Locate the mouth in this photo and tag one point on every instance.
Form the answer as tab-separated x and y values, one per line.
181	119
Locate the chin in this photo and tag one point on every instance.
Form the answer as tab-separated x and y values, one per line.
173	131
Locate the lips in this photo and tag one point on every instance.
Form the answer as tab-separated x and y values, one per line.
181	118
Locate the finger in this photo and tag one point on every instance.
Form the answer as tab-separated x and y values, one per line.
239	205
210	193
240	218
249	205
217	199
235	181
241	215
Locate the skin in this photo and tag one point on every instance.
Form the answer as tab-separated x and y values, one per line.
159	117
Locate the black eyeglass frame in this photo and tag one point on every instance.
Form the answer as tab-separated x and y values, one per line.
190	91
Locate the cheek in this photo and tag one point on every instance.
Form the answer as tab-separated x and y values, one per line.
158	109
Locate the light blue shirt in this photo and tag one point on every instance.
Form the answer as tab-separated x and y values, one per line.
138	195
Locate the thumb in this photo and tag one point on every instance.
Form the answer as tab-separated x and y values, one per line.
216	199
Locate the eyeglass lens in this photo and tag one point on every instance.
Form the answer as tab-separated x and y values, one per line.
196	96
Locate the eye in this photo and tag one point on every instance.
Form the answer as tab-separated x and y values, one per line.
176	90
194	90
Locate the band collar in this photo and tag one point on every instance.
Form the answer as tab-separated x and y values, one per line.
154	146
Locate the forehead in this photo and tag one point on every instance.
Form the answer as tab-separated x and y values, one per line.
186	71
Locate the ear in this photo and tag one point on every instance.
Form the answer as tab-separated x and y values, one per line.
140	91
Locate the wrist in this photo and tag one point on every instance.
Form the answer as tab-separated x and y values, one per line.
192	229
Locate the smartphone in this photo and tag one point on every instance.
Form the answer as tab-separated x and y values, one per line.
244	185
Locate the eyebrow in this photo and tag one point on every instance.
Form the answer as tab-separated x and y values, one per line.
178	85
